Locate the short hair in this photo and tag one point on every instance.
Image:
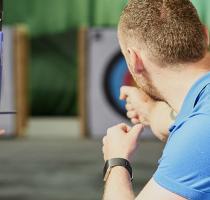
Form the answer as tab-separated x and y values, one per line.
170	29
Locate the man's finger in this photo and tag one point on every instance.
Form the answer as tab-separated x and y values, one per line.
128	100
136	131
124	127
128	106
104	140
135	121
124	92
132	114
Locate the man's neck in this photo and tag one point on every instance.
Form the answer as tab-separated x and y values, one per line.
181	82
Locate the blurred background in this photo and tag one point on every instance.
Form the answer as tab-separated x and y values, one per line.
62	70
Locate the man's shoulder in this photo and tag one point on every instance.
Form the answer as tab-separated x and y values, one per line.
198	123
194	132
184	165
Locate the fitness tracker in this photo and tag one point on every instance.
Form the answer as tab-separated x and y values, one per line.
109	164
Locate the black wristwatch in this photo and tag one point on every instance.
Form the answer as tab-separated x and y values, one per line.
109	164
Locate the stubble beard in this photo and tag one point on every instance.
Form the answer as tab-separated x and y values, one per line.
146	84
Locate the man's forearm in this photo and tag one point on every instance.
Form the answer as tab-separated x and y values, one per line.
118	185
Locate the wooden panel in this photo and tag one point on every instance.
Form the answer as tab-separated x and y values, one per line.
21	54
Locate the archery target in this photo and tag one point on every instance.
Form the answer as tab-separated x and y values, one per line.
106	72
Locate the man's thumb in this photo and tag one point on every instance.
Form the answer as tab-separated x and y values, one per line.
136	130
124	92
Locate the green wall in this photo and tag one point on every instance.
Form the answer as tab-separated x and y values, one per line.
53	26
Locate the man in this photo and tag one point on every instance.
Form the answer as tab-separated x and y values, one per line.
165	46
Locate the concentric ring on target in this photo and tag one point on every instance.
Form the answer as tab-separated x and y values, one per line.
116	75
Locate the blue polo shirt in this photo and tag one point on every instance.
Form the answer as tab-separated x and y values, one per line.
184	167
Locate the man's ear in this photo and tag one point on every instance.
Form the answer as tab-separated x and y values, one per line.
207	34
135	61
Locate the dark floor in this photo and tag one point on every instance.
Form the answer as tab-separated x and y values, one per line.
34	169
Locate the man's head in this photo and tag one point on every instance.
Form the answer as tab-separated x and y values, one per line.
163	33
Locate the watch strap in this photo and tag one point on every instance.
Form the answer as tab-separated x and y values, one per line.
117	162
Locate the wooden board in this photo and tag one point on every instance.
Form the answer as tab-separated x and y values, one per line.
21	58
82	61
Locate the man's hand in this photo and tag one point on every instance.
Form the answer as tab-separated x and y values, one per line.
141	108
139	105
121	141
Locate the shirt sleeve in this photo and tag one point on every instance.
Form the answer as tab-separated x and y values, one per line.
184	167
